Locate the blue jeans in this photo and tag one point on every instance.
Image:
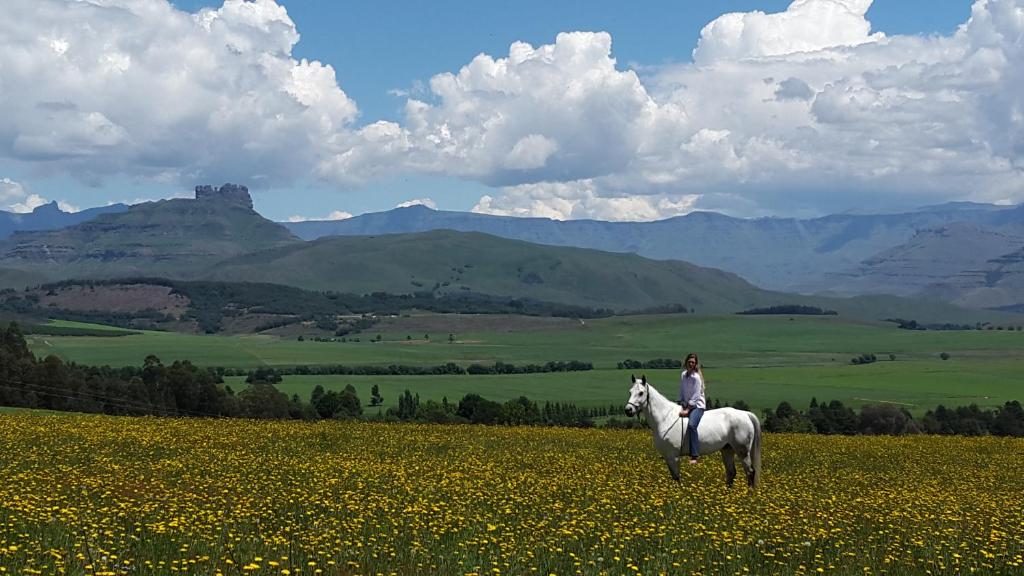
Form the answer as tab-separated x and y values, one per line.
691	429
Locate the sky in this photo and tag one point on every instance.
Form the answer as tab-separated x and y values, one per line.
567	110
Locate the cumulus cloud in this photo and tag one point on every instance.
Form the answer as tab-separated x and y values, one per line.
557	112
803	111
806	26
334	215
28	204
807	111
418	202
580	199
15	198
10	190
141	88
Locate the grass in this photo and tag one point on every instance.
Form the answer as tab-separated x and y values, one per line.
154	496
722	341
917	386
761	360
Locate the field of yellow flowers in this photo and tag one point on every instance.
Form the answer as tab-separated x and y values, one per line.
102	495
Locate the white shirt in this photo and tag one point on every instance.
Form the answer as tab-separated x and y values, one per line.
691	390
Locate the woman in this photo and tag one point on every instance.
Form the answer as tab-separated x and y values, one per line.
691	398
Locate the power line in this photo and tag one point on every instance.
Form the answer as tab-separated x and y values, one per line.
113	401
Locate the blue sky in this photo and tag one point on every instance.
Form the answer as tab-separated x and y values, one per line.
859	118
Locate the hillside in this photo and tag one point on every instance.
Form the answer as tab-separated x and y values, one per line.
999	283
776	253
173	238
18	279
932	257
454	262
448	262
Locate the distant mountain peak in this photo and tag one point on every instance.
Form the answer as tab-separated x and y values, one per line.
227	194
48	208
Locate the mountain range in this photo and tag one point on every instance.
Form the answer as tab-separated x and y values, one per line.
963	253
50	217
951	251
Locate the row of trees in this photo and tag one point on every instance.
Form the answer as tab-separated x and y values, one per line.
835	418
273	375
474	409
795	309
657	363
915	325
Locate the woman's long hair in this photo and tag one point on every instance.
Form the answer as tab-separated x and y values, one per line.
699	369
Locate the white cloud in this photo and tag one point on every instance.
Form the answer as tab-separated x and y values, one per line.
334	215
28	204
806	26
560	112
141	88
20	201
11	190
418	202
803	111
579	199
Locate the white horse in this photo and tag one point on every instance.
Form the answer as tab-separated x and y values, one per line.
731	431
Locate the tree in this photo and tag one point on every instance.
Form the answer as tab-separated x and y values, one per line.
786	419
327	404
264	401
375	398
318	393
478	410
263	375
1009	420
884	419
350	406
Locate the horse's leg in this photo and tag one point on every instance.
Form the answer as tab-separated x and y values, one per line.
730	465
748	465
673	466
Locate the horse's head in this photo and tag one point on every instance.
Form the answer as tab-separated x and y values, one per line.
639	395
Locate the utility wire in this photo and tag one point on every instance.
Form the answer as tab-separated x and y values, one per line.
123	403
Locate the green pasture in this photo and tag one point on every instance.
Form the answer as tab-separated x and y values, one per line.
760	360
917	385
722	341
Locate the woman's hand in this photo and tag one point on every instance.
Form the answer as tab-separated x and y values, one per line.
684	412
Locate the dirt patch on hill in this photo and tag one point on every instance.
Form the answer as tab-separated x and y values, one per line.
125	298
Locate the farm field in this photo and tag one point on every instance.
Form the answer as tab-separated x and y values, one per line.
103	495
733	341
917	386
760	360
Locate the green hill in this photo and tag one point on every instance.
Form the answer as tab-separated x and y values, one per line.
173	238
447	262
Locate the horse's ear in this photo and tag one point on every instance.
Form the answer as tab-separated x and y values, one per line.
643	378
632	377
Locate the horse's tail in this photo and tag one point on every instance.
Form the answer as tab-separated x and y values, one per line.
755	450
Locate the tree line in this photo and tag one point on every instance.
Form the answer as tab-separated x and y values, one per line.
451	368
892	419
796	309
